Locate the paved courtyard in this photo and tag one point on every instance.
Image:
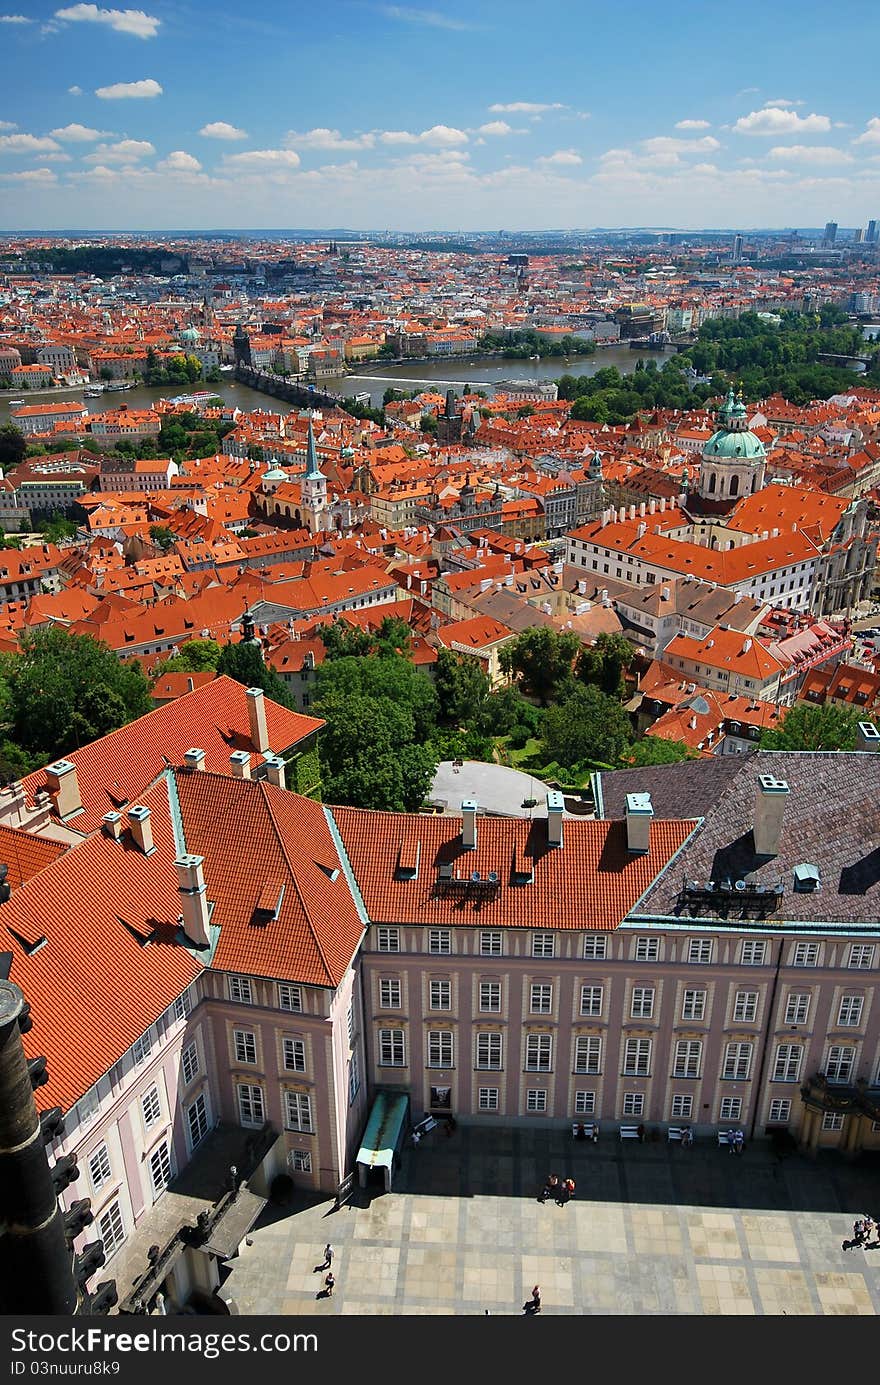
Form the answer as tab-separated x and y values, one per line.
652	1229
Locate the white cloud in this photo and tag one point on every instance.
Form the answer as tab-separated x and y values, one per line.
263	158
322	138
221	129
27	144
871	134
74	91
810	154
665	149
497	127
15	19
130	91
179	162
79	134
134	22
773	120
8	125
431	19
32	175
781	101
124	152
692	125
562	158
526	107
443	136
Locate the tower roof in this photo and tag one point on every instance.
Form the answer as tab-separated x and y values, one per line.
313	471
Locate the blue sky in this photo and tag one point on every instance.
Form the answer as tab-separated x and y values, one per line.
482	115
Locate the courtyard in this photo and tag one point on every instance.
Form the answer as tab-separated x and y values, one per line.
652	1229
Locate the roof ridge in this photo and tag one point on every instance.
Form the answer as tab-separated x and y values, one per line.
296	885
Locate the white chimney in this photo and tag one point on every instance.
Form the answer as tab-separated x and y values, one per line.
469	824
111	824
63	786
240	761
747	644
257	717
663	505
769	812
867	736
652	506
639	813
141	825
275	771
642	508
192	890
194	759
555	807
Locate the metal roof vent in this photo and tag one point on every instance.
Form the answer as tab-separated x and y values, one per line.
807	878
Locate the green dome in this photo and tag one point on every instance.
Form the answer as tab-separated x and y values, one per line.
734	446
190	334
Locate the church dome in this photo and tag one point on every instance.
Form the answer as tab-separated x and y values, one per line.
190	334
733	440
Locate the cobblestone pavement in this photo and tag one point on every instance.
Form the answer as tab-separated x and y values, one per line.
652	1229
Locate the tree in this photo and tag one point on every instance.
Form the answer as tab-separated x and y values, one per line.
506	708
369	753
58	528
244	663
462	690
13	446
195	656
392	677
605	663
541	659
586	727
162	536
654	750
428	423
807	727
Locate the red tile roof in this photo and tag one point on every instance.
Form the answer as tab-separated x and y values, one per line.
25	854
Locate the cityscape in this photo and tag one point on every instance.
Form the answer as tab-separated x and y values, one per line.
439	671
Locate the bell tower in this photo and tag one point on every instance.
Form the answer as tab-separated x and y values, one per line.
313	489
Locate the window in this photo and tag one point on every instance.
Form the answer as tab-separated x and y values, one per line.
141	1049
245	1046
151	1107
388	939
441	995
780	1110
389	995
688	1053
850	1014
642	1005
700	950
805	955
88	1106
541	1000
634	1104
297	1111
539	1053
797	1007
440	940
300	1160
536	1101
731	1108
160	1169
861	956
490	995
111	1229
682	1107
490	946
637	1058
294	1055
240	989
832	1120
737	1064
251	1108
189	1062
489	1051
350	1025
693	1005
100	1171
392	1048
745	1007
439	1048
588	1054
752	953
543	944
488	1099
595	946
787	1065
290	998
354	1078
197	1120
647	949
839	1063
180	1008
584	1103
591	1000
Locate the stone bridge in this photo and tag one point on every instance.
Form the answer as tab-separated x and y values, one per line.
308	396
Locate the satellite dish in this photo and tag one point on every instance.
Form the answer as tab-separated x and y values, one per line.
475	875
740	885
493	877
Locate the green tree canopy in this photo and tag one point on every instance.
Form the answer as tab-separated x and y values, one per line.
392	677
462	690
541	660
807	727
13	446
588	726
654	750
162	536
196	656
244	663
370	754
605	663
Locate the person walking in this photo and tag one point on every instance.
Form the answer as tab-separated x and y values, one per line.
551	1187
328	1256
329	1285
536	1299
569	1185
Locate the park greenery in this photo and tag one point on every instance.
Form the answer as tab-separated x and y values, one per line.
521	345
179	369
810	727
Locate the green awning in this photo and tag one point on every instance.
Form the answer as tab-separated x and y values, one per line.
384	1127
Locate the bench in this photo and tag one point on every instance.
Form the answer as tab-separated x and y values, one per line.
729	1137
423	1128
591	1130
631	1132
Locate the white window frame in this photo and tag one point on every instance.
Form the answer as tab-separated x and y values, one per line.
190	1065
487	1099
588	1054
198	1120
700	951
745	1007
839	1064
151	1107
641	1005
489	997
731	1108
633	1103
141	1049
491	943
737	1063
682	1107
387	938
861	956
244	1042
240	989
780	1111
389	988
440	942
850	1011
543	944
293	1053
832	1120
111	1228
647	949
541	998
536	1101
595	947
787	1062
797	1007
805	955
100	1167
592	1001
290	997
161	1165
693	1005
753	953
251	1101
489	1052
298	1112
637	1058
538	1053
440	995
687	1058
441	1048
585	1103
392	1042
300	1160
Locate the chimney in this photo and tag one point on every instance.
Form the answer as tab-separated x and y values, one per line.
469	824
193	899
111	824
64	788
769	812
257	719
555	806
747	644
141	828
275	771
867	736
240	760
190	684
194	759
638	823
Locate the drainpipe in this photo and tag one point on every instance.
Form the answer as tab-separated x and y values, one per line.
769	1020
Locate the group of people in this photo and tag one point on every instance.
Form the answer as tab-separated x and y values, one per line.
561	1192
735	1141
864	1228
329	1282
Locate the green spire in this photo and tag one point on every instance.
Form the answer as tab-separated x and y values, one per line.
313	471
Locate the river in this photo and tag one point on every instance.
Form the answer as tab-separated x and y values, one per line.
480	372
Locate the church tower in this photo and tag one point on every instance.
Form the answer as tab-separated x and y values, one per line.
313	490
733	462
